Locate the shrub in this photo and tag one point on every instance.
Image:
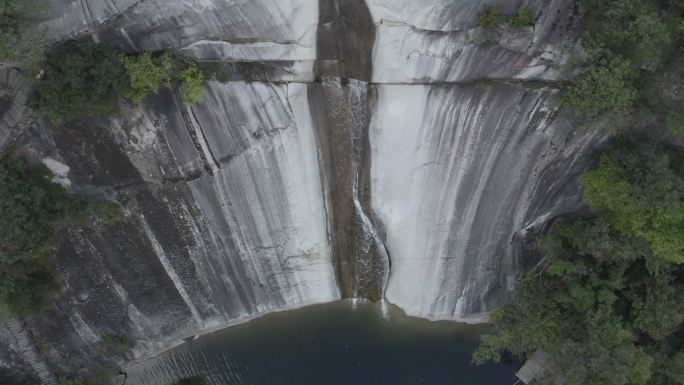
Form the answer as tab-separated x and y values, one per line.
491	17
603	89
147	74
627	41
108	212
117	343
674	122
85	79
605	306
21	41
192	84
80	79
523	17
27	287
590	315
32	208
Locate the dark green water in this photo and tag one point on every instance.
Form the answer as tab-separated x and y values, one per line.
328	345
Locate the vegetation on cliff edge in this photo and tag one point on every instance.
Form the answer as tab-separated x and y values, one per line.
33	208
21	40
605	306
627	42
492	18
81	78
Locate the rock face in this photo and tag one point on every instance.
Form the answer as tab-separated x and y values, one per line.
382	149
475	169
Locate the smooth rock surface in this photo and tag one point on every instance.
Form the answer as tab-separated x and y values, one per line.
473	168
440	41
379	148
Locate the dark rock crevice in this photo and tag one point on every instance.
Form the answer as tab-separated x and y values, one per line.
340	107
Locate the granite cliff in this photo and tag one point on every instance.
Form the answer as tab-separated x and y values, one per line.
391	150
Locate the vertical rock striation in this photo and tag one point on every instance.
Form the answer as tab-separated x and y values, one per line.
475	169
226	219
341	110
335	137
466	147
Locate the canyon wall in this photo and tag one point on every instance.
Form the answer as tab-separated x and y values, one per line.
390	150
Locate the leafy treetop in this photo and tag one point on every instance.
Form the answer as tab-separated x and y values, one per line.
606	307
83	79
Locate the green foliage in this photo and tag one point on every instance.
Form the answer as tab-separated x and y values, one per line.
626	42
656	308
632	28
574	311
81	79
31	209
118	343
606	354
103	376
193	84
674	122
603	89
108	212
491	17
20	39
638	192
194	380
606	308
147	74
673	370
26	287
523	17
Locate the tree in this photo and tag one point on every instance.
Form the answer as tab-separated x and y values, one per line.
602	89
631	28
604	354
21	41
523	17
656	307
674	122
605	307
491	17
192	84
147	74
626	42
84	79
637	191
81	79
32	208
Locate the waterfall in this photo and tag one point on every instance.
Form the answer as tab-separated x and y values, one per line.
336	139
341	103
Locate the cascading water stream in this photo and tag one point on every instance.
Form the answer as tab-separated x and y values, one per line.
372	249
342	106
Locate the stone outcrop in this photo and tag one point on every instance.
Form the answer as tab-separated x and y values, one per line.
382	149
